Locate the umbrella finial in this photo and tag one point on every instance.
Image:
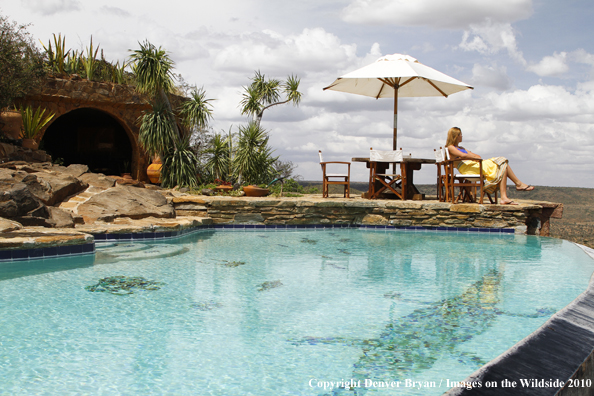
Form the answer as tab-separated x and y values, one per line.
397	57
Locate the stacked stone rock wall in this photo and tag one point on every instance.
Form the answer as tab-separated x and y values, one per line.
289	211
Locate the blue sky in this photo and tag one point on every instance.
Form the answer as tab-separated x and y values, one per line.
531	63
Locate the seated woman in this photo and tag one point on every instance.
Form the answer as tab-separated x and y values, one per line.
496	170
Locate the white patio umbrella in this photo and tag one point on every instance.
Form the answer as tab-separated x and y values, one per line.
397	75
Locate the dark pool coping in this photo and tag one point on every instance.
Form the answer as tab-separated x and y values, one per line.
562	348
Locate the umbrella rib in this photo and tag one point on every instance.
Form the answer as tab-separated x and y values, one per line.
434	86
388	81
407	81
380	91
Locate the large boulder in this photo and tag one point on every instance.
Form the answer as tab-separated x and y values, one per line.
76	170
53	187
19	201
124	201
8	178
9	225
98	180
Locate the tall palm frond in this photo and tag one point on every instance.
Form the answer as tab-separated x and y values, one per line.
268	90
219	163
197	111
157	133
262	94
253	158
153	69
291	89
179	166
250	104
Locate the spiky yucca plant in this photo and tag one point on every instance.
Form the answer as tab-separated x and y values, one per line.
33	122
179	166
253	158
219	161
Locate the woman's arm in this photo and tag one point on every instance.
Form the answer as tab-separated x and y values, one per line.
457	154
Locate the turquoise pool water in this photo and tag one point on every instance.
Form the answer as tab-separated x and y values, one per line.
279	313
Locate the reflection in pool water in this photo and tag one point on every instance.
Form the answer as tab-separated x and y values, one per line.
275	313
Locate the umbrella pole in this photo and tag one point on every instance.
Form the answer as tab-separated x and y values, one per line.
395	138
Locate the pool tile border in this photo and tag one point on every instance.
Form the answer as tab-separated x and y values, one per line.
89	248
47	252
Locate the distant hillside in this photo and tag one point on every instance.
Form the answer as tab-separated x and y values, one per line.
577	224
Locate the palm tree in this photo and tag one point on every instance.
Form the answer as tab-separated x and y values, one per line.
262	94
159	131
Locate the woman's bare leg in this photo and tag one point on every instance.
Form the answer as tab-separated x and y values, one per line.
503	187
517	182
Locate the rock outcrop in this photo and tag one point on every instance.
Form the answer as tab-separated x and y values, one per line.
125	201
33	194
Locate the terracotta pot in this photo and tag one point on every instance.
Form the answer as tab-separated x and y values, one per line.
223	188
13	122
254	191
154	171
30	144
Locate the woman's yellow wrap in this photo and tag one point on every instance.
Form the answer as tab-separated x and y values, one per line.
493	169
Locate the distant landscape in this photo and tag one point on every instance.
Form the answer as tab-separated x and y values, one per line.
577	224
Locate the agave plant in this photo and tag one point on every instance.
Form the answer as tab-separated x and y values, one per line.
118	72
73	63
89	62
33	122
57	59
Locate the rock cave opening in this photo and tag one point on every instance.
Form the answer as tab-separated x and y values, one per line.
91	137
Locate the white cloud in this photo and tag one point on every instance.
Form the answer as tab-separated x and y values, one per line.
490	37
451	14
115	11
551	65
311	50
490	76
541	102
581	56
51	7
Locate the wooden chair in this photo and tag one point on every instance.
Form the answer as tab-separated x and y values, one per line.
344	179
443	175
379	181
469	186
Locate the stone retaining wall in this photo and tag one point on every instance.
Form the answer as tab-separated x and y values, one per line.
524	218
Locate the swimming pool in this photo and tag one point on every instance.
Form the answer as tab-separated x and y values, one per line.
279	313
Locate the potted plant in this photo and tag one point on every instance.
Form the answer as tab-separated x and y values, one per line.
223	186
33	122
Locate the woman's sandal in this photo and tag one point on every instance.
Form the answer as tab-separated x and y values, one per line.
527	188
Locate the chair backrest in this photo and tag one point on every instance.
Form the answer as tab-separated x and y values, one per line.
385	156
439	155
320	154
446	153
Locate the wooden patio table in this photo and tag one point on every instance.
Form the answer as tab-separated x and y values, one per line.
407	168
